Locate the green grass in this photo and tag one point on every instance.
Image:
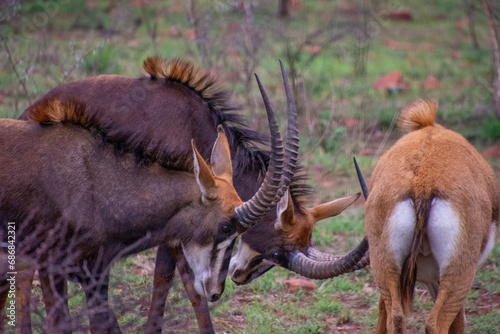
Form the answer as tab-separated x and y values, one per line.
79	42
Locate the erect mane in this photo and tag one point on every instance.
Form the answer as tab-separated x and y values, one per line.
74	111
246	141
54	111
246	145
186	73
243	141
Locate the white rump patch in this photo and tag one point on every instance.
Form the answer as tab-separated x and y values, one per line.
489	245
443	231
401	228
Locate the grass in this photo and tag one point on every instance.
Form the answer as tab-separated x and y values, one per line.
344	304
80	41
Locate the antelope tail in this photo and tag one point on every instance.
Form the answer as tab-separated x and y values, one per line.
409	271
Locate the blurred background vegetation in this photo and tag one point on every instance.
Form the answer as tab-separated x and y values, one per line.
352	64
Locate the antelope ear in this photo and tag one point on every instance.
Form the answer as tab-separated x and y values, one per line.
204	176
284	211
221	156
332	208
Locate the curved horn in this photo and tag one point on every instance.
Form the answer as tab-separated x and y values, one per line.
317	255
250	211
274	185
362	183
292	138
320	265
324	268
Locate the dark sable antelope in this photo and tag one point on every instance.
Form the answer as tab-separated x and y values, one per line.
77	205
177	96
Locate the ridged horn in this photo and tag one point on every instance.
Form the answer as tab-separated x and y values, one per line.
274	186
365	260
267	195
324	268
292	138
319	256
320	265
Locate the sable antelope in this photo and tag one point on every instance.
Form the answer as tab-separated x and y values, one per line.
78	205
430	216
178	96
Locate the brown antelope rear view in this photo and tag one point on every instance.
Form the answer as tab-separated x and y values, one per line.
431	217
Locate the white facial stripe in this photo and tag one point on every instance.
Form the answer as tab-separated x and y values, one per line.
443	231
244	255
207	273
198	259
400	228
226	243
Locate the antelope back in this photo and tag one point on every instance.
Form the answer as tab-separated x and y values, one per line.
175	104
430	216
433	162
129	201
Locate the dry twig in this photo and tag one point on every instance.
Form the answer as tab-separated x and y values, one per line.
496	57
22	82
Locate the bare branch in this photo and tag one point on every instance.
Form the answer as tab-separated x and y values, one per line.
151	27
469	12
251	46
200	34
496	57
22	82
284	11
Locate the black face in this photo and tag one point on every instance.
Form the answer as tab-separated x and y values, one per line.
279	256
272	245
226	229
261	248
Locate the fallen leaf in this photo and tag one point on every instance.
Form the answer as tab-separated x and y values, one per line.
391	81
350	122
462	24
368	290
493	152
296	283
399	15
133	44
367	151
189	34
456	54
392	44
312	49
465	82
140	3
431	82
172	31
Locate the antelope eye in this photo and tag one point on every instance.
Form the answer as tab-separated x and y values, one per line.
275	256
225	229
